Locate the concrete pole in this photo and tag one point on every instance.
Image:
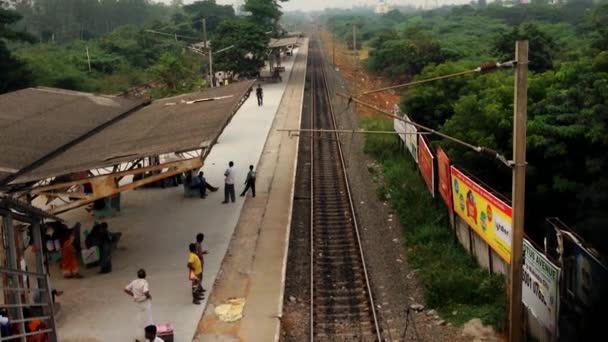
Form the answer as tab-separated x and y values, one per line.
88	58
356	59
211	67
520	121
206	42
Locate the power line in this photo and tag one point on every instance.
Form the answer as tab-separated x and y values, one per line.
479	149
480	69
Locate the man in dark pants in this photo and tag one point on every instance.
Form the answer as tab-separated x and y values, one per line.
229	183
260	94
249	182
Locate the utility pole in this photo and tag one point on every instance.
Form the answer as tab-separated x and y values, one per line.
520	122
88	58
356	59
208	47
333	41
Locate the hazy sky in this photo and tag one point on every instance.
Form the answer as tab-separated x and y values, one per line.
308	5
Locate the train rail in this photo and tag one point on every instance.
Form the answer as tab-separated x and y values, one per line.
342	306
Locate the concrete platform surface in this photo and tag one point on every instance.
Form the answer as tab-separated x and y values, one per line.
254	267
157	226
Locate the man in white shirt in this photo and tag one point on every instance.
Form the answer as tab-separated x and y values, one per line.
229	183
138	289
151	334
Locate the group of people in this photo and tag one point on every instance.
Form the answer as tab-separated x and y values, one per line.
200	183
139	290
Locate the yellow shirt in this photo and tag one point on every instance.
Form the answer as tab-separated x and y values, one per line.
195	261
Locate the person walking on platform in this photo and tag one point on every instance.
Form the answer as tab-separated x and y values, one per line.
196	274
229	183
140	291
259	92
249	182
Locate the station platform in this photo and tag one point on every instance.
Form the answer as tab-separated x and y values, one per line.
157	226
254	268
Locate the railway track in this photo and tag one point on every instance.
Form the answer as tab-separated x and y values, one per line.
342	306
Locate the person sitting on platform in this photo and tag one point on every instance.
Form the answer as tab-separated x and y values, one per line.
205	185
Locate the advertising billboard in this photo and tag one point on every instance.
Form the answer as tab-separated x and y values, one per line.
445	180
426	164
540	280
485	213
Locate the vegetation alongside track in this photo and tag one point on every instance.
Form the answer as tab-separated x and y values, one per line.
452	281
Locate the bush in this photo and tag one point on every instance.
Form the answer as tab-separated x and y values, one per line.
452	280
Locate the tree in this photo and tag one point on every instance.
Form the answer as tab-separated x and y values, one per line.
176	72
264	12
249	51
542	46
211	11
405	55
14	73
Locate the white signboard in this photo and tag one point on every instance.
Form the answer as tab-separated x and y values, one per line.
398	125
540	287
410	140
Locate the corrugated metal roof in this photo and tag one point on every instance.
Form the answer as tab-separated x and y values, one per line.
34	122
165	126
281	42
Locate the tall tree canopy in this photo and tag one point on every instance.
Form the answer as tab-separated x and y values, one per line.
14	72
250	45
265	13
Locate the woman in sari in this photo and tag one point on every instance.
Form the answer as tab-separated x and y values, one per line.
69	259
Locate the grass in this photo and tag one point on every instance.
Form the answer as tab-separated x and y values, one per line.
453	282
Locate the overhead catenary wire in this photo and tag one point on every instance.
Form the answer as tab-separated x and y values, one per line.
480	69
479	149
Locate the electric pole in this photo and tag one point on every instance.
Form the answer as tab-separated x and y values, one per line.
208	47
356	60
520	122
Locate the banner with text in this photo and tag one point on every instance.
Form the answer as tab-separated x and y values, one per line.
426	164
445	181
485	213
540	281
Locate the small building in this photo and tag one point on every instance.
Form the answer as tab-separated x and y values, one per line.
382	7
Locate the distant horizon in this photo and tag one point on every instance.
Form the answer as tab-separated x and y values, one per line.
320	5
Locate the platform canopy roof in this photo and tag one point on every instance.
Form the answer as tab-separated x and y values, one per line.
105	130
282	42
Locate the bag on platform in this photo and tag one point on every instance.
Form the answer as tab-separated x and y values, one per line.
90	255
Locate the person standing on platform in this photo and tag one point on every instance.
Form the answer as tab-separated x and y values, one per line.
259	92
196	273
140	291
249	182
229	183
200	251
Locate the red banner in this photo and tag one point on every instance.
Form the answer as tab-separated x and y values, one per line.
426	164
445	179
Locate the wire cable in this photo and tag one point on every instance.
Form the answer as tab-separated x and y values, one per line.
480	69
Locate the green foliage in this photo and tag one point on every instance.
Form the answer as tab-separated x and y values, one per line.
175	71
211	11
404	55
61	20
250	43
265	13
13	71
542	46
451	279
